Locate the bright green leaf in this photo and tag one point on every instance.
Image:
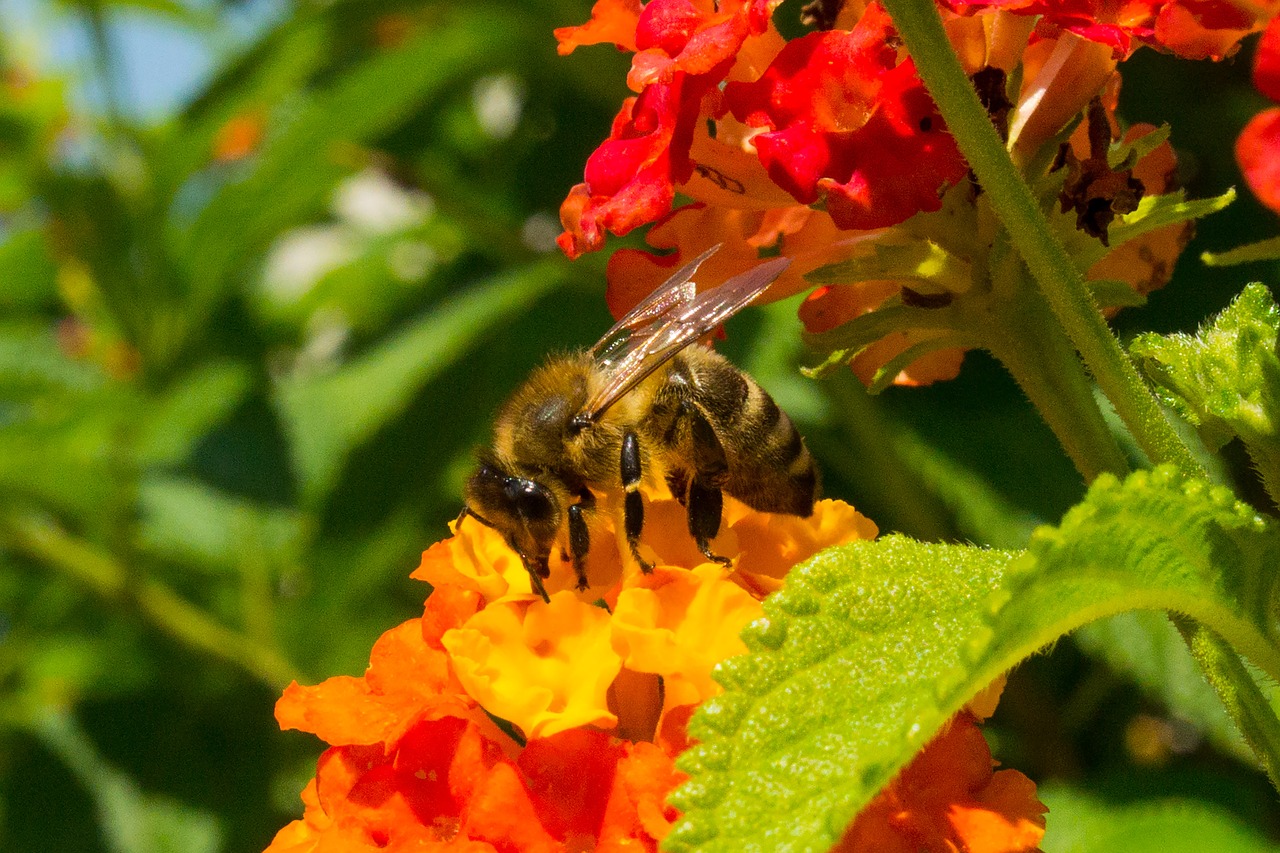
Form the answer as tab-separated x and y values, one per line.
926	266
1263	250
196	404
27	271
32	364
871	647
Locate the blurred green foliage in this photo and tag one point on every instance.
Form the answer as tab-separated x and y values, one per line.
247	348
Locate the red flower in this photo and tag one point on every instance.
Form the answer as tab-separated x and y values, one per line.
1258	146
949	798
1258	153
1192	29
847	120
631	177
684	51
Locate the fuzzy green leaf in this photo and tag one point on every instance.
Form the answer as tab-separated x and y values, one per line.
922	264
872	647
1226	379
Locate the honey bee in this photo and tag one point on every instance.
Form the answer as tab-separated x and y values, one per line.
641	403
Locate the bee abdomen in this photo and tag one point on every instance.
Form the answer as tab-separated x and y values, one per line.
769	467
772	469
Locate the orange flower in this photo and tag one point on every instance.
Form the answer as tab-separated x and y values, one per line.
239	137
594	699
501	722
949	798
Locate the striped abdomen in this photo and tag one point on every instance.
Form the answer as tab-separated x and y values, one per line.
764	462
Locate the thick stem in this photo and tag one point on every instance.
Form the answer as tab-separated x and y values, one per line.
1063	287
1027	341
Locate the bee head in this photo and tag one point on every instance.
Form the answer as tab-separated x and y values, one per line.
524	511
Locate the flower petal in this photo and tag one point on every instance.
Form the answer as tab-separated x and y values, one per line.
948	798
612	22
1258	153
679	624
546	667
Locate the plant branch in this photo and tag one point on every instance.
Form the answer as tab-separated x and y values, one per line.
1060	282
44	541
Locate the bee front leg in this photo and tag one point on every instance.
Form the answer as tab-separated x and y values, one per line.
633	504
537	568
579	535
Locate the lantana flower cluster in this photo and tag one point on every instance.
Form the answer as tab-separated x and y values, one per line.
827	149
500	722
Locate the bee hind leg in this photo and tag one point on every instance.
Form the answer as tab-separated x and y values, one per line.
705	505
704	502
633	504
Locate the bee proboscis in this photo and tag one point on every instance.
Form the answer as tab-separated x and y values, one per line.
641	403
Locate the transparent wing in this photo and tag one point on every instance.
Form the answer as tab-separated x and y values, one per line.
675	291
630	359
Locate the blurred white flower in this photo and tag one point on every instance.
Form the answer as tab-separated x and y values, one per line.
498	101
374	204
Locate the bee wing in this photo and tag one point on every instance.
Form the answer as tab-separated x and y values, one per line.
627	361
675	291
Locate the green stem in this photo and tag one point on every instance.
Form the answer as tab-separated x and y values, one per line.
1031	346
164	608
1063	287
1239	692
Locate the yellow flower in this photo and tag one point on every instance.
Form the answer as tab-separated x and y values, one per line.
679	624
544	666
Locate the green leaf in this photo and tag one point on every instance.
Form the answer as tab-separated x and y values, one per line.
192	523
1154	212
1263	250
32	364
846	341
132	820
28	275
930	268
327	416
1080	823
872	647
1130	152
1226	379
297	169
196	404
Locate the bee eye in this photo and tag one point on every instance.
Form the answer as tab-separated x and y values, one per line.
531	501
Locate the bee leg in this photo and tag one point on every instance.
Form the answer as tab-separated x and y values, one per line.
705	504
633	505
579	536
705	508
538	569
